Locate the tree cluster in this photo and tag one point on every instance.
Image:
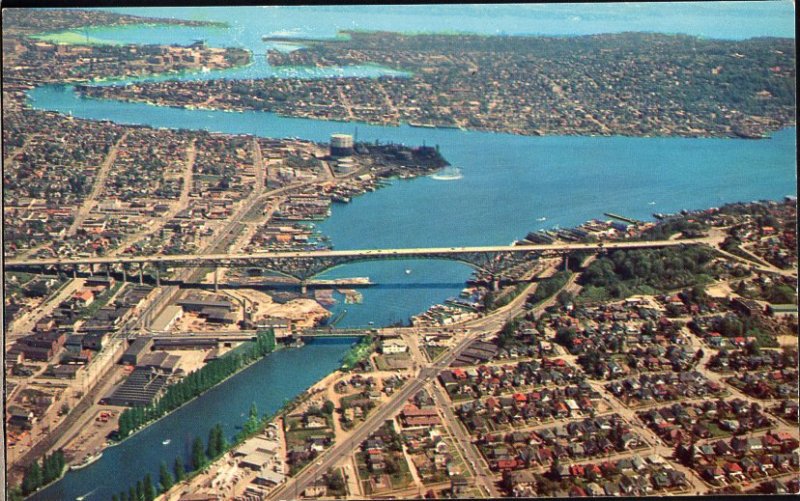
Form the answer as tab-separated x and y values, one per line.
196	383
647	271
37	475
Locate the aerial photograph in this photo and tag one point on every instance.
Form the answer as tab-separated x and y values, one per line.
284	252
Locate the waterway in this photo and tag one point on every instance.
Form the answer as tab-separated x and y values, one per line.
268	383
508	182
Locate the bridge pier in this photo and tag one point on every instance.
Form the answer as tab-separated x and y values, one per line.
124	274
158	277
75	271
91	269
216	278
495	283
108	271
303	287
141	273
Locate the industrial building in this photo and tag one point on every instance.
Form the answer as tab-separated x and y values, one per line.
136	350
141	388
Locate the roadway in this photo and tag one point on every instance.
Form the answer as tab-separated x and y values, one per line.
199	259
478	327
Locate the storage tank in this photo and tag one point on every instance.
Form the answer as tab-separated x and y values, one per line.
341	145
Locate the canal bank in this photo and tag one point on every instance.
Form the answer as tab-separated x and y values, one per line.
279	377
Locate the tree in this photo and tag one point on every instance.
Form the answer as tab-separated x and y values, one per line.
198	454
140	490
211	448
220	439
328	407
180	471
164	477
132	494
149	490
32	479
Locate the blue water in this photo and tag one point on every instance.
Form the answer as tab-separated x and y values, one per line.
269	383
508	181
728	20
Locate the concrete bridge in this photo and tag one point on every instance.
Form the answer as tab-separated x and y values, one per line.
304	265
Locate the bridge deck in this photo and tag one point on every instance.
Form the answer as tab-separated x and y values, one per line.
371	253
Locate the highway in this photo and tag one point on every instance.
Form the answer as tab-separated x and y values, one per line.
200	259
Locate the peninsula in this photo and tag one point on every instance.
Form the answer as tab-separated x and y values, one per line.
633	84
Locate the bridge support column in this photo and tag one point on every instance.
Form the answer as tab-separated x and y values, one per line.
124	274
158	277
495	283
141	273
91	269
566	263
303	287
216	278
75	271
108	271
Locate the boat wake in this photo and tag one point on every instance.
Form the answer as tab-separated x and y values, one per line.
448	174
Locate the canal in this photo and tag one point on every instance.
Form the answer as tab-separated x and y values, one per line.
279	377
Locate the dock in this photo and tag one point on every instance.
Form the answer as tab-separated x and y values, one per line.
621	218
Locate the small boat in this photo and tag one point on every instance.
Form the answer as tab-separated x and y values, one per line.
408	271
541	219
86	462
166	442
651	203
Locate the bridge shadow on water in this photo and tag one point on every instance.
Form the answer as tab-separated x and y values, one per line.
296	287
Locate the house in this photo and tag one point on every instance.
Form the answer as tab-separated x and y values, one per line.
17	416
733	470
83	298
458	485
594	489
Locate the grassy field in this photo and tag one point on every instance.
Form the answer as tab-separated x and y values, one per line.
72	38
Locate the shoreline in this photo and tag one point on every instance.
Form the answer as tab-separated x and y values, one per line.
235	109
150	423
766	134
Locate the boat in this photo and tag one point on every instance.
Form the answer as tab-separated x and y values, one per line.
651	203
408	271
87	461
205	69
541	219
166	442
84	496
